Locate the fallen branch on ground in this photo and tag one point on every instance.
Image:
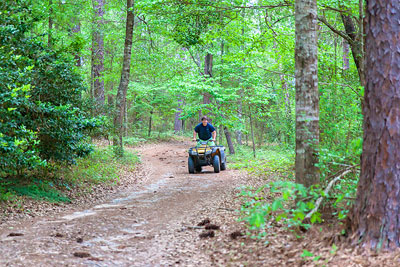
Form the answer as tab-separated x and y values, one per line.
326	191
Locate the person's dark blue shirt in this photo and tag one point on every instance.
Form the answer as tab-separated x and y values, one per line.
204	131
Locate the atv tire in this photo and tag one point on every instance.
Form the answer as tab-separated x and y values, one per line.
223	164
216	164
191	165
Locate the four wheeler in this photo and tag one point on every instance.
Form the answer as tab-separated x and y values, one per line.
204	155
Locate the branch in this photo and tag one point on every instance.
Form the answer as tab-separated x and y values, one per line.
346	85
340	11
340	33
142	19
194	60
275	72
326	191
285	4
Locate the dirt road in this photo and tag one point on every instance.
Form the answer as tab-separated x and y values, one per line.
151	225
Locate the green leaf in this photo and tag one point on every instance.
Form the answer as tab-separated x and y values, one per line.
306	253
334	249
257	220
277	204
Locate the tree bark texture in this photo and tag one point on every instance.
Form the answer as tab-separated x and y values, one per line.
252	133
356	45
178	121
124	82
49	36
346	60
208	64
98	51
376	214
229	140
150	123
307	99
77	29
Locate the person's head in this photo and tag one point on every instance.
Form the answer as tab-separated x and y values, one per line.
204	120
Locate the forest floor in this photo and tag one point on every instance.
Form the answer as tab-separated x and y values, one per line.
159	218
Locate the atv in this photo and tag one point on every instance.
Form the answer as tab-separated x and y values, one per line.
204	155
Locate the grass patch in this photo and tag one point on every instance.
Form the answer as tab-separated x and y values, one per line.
269	160
40	190
100	167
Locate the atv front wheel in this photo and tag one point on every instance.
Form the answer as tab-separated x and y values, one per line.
191	165
216	164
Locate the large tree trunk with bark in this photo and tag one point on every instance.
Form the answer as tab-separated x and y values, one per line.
307	99
98	51
124	82
376	214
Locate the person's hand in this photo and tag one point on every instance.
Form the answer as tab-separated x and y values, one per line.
194	139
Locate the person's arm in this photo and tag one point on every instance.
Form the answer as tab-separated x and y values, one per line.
214	135
194	135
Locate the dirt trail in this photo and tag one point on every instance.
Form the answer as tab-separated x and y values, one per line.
148	226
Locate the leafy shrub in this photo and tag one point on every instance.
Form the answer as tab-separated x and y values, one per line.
41	115
290	205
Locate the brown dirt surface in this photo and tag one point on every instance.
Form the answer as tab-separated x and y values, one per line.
167	217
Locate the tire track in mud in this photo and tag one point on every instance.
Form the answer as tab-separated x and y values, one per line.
144	227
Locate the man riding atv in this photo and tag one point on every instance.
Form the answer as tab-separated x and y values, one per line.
206	152
206	132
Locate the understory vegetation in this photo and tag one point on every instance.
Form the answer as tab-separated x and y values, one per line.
60	69
280	201
100	167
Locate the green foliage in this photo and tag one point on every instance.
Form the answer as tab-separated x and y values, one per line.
271	161
290	204
40	190
41	117
99	167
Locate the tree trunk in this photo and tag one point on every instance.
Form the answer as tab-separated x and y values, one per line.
98	51
346	61
77	29
49	36
252	132
208	64
124	82
220	135
110	83
356	45
288	110
178	121
150	122
376	214
307	100
126	121
229	141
